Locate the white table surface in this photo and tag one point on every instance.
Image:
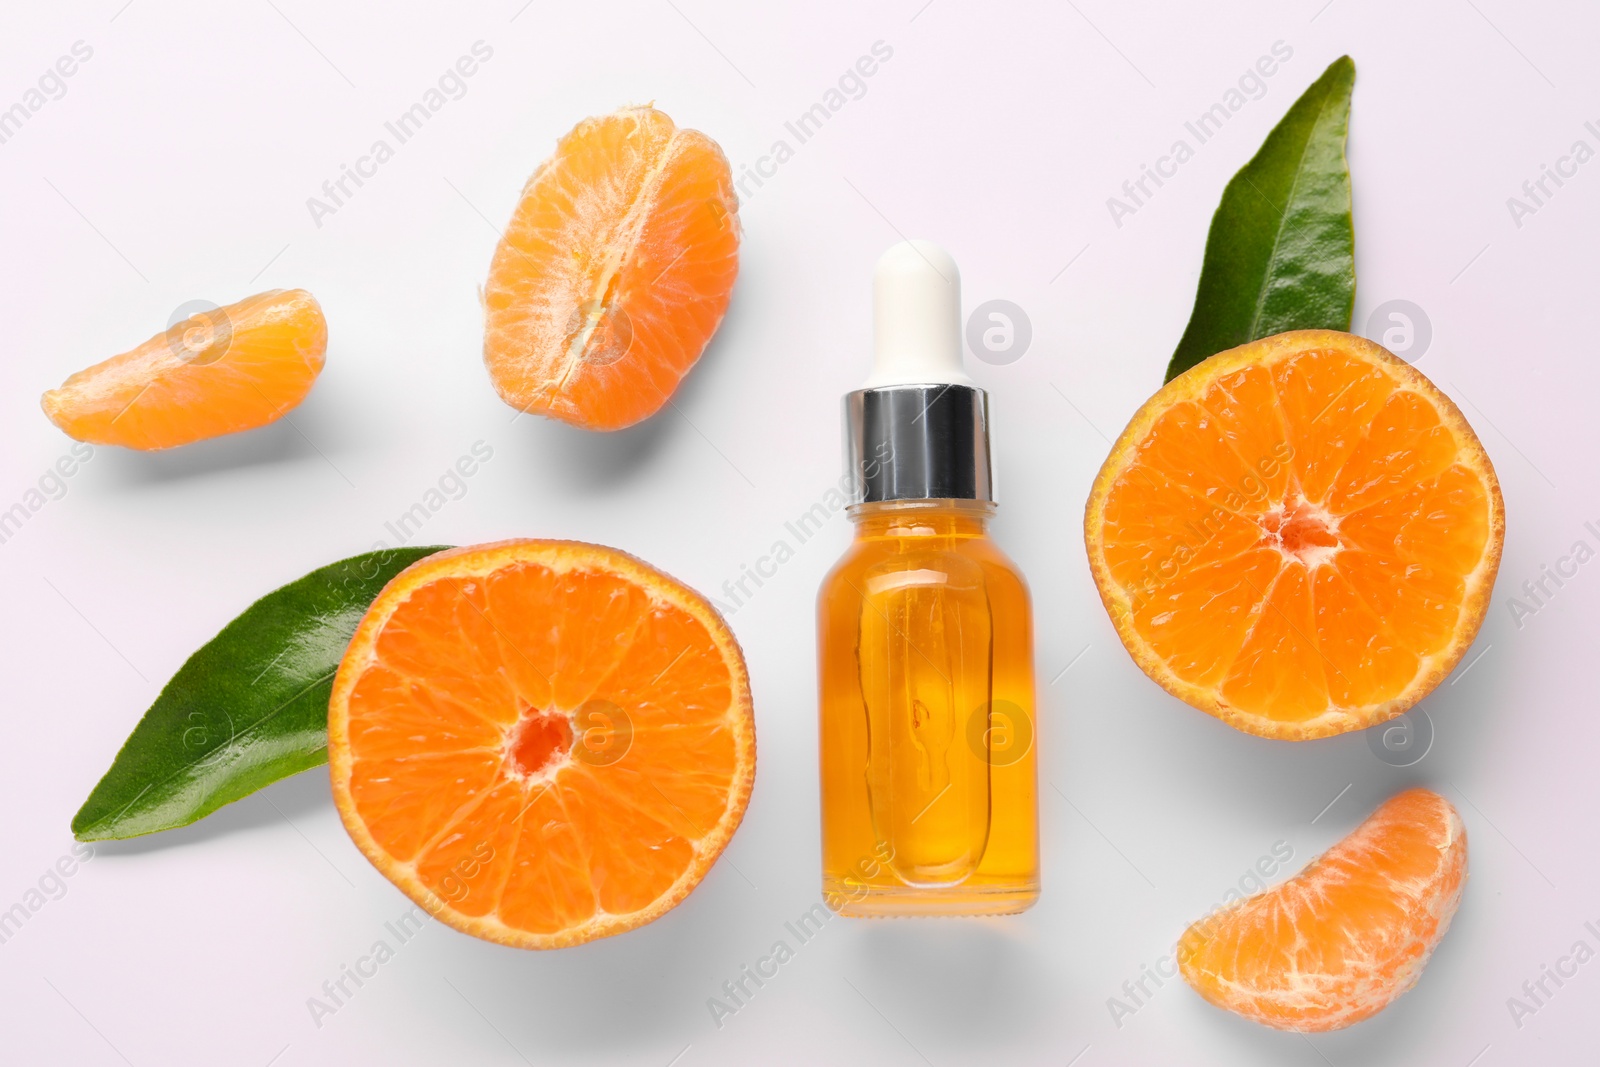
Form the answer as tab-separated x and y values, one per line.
176	165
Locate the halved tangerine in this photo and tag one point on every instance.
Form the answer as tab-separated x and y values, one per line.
614	272
1339	941
1298	536
218	371
541	742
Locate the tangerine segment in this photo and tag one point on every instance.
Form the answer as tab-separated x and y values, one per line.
1298	536
541	742
1338	942
219	371
614	272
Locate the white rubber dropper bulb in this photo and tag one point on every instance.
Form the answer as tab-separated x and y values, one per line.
916	318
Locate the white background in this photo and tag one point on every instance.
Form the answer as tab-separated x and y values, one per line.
177	166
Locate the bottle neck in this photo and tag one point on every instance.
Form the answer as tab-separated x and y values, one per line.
918	442
922	518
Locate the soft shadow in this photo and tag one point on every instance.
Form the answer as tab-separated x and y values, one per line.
304	793
1465	717
591	458
605	460
278	443
302	435
633	994
959	982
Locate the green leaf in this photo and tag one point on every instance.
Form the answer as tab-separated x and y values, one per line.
1281	251
249	708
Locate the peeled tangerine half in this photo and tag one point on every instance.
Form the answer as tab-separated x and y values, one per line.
541	742
1338	942
1298	536
221	370
614	272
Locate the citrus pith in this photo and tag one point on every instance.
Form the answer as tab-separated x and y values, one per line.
1338	942
614	272
1298	536
218	371
541	742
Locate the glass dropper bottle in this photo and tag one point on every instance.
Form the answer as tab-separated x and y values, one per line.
925	637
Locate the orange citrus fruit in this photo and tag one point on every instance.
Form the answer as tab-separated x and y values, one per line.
220	370
1338	942
541	742
1298	536
614	272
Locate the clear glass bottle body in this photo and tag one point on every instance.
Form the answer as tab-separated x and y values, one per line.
929	782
